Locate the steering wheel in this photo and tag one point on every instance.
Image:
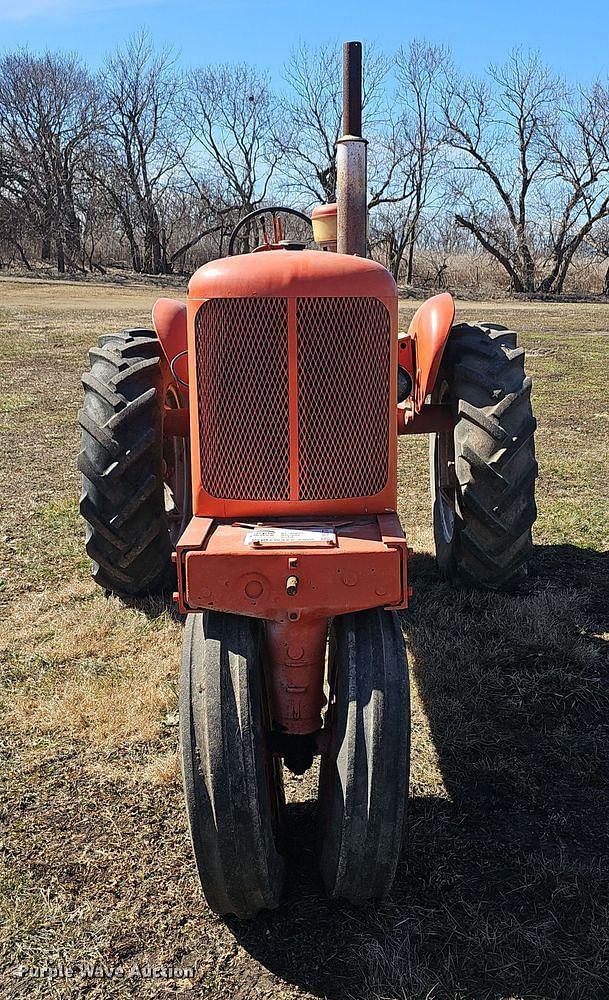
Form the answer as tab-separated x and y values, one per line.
274	211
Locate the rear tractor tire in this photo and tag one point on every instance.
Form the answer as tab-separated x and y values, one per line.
136	484
483	474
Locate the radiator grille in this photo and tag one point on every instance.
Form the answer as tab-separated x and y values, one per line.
343	391
243	392
343	380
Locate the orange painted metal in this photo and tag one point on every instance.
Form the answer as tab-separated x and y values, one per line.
295	587
406	359
293	397
286	350
429	329
296	653
364	568
295	277
170	322
289	273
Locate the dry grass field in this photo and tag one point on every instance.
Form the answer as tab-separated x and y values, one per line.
503	887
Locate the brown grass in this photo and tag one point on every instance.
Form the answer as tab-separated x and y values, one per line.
503	887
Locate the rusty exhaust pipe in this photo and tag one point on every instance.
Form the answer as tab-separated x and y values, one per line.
351	160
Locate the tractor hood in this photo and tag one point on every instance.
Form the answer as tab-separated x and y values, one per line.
291	273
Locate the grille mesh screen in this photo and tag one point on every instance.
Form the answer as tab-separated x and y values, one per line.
343	373
343	379
242	382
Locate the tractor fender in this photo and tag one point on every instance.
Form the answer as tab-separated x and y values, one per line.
169	319
429	330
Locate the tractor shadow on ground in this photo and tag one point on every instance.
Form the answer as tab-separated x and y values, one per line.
503	886
155	605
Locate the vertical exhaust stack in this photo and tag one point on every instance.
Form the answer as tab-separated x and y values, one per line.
351	160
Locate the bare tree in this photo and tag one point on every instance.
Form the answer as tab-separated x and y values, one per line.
141	154
389	235
419	75
192	219
597	246
48	116
228	112
579	157
97	220
411	171
13	232
141	163
309	122
532	164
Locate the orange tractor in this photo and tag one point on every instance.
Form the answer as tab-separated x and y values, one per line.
247	450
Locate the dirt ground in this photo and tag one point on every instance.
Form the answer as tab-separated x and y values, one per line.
503	887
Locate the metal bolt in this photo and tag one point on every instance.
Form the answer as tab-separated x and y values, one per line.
291	585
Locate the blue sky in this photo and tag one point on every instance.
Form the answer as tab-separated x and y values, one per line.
574	38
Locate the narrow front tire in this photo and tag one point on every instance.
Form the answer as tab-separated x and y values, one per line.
232	783
363	784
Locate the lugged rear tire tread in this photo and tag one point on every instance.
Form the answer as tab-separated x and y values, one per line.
122	500
494	459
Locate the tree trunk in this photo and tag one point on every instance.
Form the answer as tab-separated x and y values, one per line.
73	237
154	258
134	250
528	282
413	233
61	260
410	263
528	264
509	265
22	254
559	284
395	268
